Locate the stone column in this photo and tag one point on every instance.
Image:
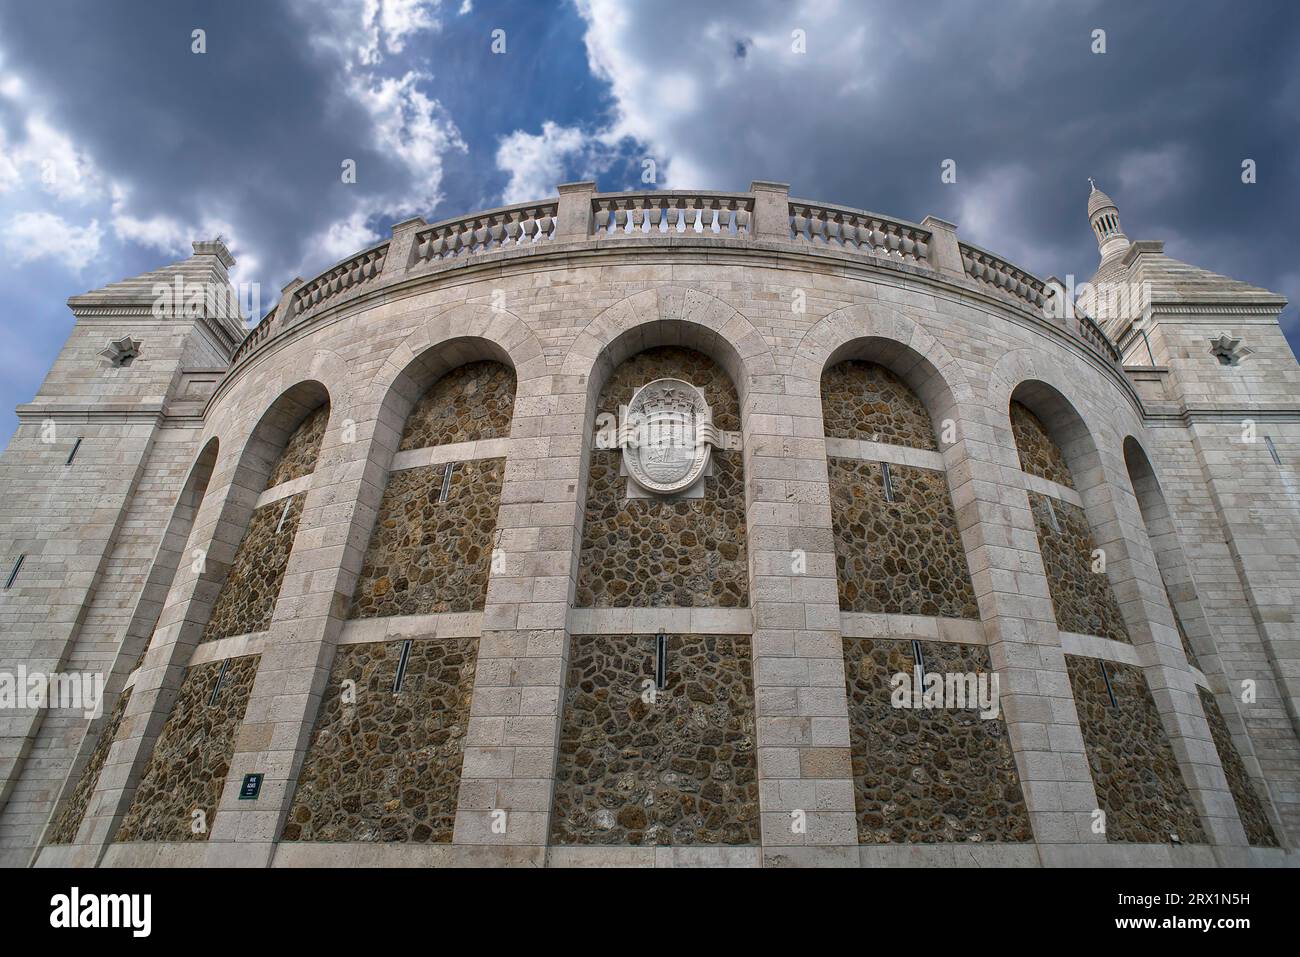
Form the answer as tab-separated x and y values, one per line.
513	735
997	529
804	765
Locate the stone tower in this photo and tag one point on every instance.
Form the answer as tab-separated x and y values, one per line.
1222	389
89	480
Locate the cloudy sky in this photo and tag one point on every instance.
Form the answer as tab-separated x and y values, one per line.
119	144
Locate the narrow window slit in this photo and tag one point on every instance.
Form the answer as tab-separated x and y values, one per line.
288	503
13	575
446	483
221	677
1051	517
401	666
1268	440
918	655
73	454
1110	690
889	482
661	661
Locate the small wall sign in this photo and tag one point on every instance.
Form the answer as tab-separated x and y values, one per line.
251	788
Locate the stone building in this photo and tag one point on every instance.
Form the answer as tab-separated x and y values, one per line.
417	571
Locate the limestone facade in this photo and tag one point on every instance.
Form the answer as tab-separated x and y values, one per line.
427	413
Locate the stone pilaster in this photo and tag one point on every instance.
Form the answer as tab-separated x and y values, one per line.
1019	623
804	764
508	773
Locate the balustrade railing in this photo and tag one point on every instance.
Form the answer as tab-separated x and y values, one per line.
689	215
256	336
349	274
858	231
1093	333
519	225
667	214
1003	276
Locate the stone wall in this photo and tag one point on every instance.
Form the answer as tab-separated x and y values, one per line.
64	828
904	556
924	776
474	401
302	449
1083	599
1136	774
425	557
675	766
187	769
666	552
1249	807
385	766
247	598
863	400
653	552
1039	455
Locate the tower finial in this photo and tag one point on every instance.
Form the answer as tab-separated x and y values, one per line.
1103	217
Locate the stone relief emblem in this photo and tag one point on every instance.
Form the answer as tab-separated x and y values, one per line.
667	435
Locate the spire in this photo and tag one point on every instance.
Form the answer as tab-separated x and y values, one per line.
1103	217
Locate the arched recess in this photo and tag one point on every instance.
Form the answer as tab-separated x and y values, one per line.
1139	781
899	551
897	542
883	335
1194	630
1189	618
430	546
445	401
1055	444
281	454
185	769
647	553
100	732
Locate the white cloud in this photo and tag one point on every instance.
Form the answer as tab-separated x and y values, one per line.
535	162
30	236
44	157
413	127
702	100
342	238
388	24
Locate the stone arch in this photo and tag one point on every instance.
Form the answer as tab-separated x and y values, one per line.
284	447
1059	447
875	333
1044	385
464	333
669	316
677	551
898	545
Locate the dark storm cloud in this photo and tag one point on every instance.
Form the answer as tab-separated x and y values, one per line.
1012	92
252	132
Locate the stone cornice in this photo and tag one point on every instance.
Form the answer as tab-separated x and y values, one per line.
672	249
